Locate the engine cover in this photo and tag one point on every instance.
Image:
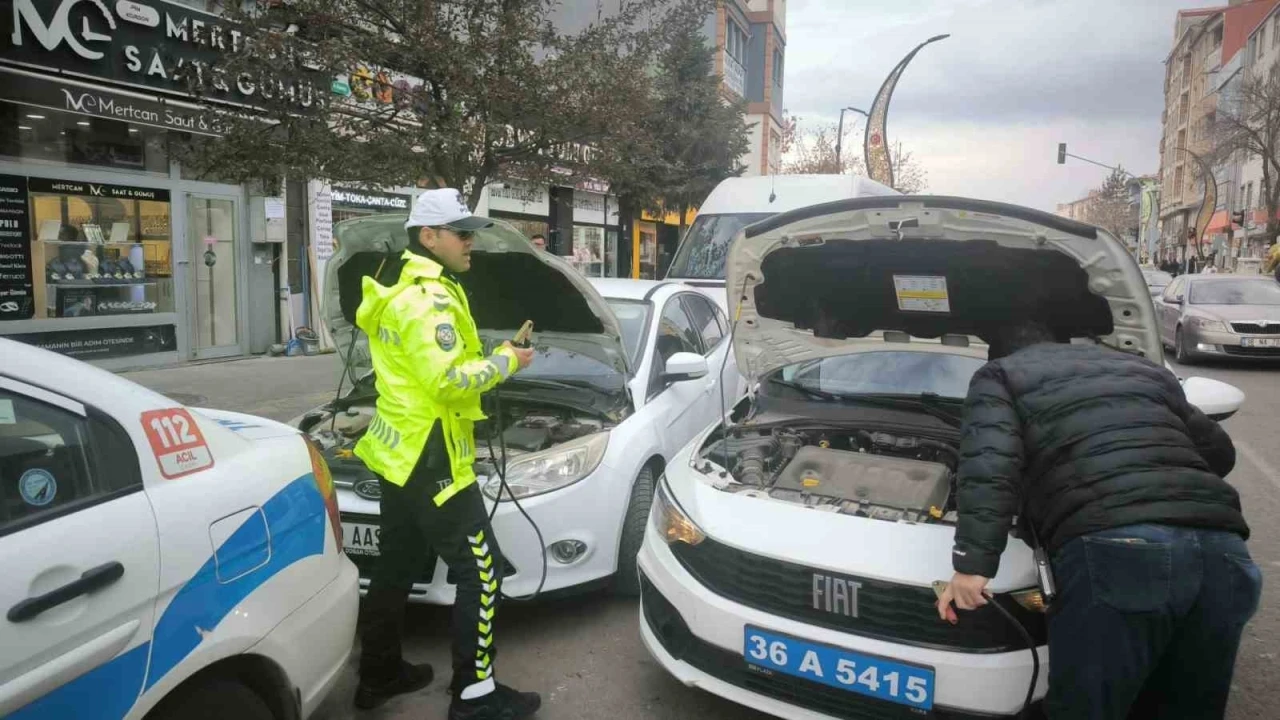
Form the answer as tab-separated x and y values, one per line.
866	478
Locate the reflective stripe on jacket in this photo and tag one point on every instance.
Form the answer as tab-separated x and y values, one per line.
429	366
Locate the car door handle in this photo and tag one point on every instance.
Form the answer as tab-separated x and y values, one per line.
90	580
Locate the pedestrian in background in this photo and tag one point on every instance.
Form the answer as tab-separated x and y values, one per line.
539	241
430	372
1103	460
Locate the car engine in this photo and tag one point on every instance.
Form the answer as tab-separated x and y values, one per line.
529	427
854	472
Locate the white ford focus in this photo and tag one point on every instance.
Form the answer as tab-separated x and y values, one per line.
625	373
792	555
160	561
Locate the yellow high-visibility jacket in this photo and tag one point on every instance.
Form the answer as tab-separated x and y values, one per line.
429	366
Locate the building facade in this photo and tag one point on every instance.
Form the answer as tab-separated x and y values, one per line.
1201	71
110	251
1261	63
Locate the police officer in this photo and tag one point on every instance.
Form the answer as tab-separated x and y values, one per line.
431	371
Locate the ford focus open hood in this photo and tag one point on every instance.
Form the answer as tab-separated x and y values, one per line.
509	282
804	283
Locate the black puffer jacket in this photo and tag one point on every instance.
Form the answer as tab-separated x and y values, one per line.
1096	439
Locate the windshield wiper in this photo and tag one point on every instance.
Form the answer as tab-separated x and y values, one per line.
927	402
807	390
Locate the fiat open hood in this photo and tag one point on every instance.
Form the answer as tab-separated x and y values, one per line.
509	282
803	284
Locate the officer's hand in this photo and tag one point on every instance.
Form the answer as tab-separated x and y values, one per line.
524	356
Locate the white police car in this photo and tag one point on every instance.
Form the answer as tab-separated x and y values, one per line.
160	561
791	558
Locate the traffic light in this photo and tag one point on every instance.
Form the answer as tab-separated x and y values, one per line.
1062	153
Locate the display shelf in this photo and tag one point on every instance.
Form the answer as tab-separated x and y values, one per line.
89	243
82	284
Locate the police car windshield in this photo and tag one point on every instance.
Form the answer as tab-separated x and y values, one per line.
706	245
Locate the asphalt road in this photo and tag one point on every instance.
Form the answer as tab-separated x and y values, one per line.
584	654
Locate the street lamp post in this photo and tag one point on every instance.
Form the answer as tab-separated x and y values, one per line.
840	135
875	145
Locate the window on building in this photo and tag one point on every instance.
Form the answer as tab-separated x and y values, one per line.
735	43
1262	36
1275	30
1274	72
1253	50
1217	37
777	68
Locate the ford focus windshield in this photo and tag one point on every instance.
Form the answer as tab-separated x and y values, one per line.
706	245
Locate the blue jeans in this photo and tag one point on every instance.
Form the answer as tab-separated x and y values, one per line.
1147	622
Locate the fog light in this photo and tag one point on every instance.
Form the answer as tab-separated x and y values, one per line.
566	551
1206	347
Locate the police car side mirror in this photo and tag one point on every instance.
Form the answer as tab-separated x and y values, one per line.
1216	399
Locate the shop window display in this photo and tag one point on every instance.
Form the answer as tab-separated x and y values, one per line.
588	250
98	256
32	133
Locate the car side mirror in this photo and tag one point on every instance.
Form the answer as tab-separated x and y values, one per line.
1216	399
684	366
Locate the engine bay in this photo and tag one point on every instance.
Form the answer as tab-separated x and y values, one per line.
528	426
850	471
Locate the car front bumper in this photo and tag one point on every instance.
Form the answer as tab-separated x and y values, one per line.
588	512
1227	344
697	636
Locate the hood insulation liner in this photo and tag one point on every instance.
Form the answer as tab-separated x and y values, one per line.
844	289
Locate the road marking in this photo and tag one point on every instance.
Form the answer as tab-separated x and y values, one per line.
1263	466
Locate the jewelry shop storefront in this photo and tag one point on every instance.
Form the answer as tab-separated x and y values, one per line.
109	251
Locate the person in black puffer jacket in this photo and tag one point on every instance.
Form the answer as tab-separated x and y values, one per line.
1122	481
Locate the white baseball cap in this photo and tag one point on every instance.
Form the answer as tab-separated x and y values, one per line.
444	208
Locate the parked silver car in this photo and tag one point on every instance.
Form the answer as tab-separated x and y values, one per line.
1157	280
1220	315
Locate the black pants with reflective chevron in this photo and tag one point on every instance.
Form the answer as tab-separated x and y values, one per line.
414	531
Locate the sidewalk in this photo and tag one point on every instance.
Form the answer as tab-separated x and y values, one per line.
279	388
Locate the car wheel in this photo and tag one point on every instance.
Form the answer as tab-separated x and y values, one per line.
627	582
1181	353
214	699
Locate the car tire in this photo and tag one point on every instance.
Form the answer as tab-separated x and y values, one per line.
214	699
1180	351
627	582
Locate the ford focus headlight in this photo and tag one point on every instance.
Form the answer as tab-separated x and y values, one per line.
550	469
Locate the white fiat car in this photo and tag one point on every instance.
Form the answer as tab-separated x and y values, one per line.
625	373
792	554
161	561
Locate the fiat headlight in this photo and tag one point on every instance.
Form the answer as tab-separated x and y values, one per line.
551	469
673	525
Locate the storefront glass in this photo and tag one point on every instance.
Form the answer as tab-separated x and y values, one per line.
648	250
33	133
588	251
211	233
96	255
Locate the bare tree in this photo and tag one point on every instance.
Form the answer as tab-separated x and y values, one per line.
812	151
1248	124
1109	207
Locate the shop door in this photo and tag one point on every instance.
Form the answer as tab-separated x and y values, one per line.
212	224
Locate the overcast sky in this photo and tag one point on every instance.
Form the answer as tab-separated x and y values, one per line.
985	109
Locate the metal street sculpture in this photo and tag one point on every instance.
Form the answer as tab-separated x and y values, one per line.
1208	204
875	146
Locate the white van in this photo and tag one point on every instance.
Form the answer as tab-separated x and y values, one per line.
738	202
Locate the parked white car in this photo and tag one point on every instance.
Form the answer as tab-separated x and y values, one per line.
624	375
161	561
792	556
